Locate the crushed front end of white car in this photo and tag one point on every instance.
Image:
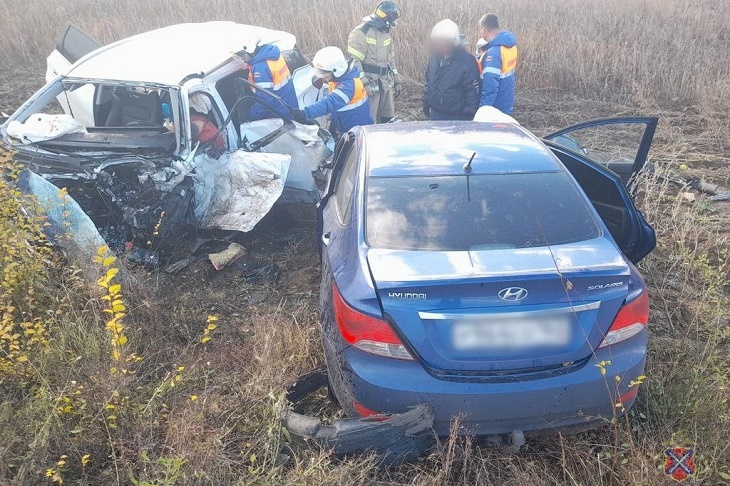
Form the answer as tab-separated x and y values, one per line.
113	126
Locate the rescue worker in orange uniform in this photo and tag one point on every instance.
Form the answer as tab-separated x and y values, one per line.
347	101
371	45
268	70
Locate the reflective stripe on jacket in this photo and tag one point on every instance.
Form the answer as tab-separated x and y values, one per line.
499	65
347	102
371	46
268	70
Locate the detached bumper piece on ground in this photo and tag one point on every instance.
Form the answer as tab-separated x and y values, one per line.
393	438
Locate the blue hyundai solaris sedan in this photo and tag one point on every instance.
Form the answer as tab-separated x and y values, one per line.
486	273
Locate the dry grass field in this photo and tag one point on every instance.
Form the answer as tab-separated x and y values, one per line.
194	400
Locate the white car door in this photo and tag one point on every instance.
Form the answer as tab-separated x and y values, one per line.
72	45
307	93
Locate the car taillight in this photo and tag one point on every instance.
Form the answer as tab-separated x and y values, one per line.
630	320
629	395
367	333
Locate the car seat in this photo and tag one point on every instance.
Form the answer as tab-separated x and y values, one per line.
134	108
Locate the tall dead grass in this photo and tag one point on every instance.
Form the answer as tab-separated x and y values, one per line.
646	51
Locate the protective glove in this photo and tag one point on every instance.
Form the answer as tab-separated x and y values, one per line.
299	117
397	89
372	89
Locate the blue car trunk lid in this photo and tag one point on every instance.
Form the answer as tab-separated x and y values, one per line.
501	310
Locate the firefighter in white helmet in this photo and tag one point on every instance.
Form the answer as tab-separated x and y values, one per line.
347	101
371	45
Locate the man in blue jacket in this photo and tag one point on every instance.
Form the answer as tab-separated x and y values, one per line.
347	101
498	64
268	70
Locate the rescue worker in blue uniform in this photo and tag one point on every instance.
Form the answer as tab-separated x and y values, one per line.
268	70
498	65
347	101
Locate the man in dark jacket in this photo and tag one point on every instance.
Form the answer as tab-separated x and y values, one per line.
452	78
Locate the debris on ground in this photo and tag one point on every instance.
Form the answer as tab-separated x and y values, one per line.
180	265
394	439
143	256
257	271
714	192
720	197
228	256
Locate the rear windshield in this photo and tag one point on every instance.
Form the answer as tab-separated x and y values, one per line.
480	212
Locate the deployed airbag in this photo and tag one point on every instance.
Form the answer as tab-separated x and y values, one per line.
41	126
236	191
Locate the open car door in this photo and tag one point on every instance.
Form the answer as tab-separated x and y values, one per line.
72	45
609	196
620	144
307	93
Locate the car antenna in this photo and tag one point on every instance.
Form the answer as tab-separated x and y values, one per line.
467	166
467	169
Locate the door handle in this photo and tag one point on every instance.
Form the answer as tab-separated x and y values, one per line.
326	238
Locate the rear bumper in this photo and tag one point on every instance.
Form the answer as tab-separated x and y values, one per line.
563	402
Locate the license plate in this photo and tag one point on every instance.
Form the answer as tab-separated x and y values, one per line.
512	334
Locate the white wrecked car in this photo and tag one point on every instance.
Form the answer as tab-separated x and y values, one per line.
113	125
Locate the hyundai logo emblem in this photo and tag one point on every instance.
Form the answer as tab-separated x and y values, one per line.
512	294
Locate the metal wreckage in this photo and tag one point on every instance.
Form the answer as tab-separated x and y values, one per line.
112	127
123	145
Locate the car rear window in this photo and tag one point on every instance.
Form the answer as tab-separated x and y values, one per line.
479	212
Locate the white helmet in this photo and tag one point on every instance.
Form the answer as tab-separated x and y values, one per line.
481	43
250	44
446	30
330	60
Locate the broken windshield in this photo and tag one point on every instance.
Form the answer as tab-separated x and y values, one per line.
99	116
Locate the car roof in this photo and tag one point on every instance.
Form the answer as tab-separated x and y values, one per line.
166	56
442	148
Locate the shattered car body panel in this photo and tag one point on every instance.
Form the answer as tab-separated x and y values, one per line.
132	160
235	192
393	439
66	225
